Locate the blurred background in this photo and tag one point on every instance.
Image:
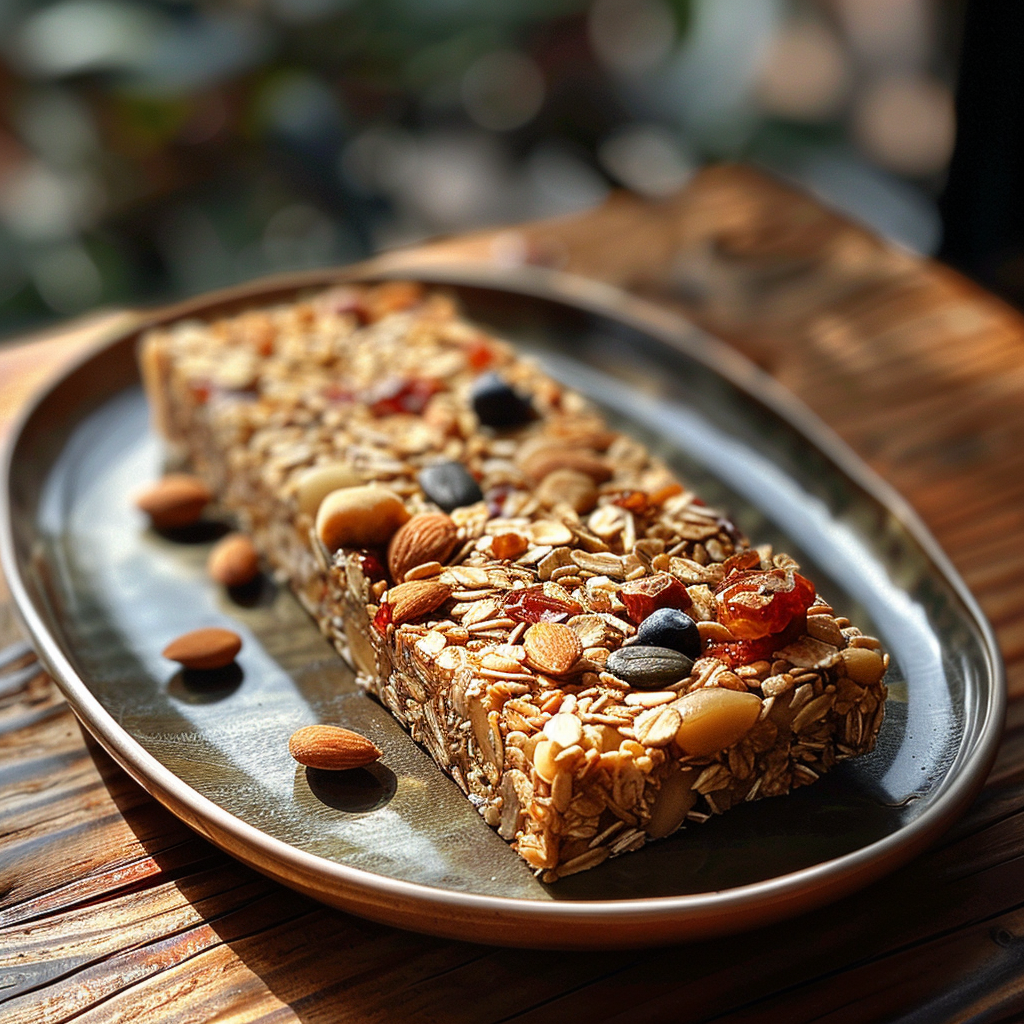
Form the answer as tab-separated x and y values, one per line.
157	148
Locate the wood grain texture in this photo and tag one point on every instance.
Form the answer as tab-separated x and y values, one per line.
112	910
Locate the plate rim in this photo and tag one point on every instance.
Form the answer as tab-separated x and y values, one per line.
477	916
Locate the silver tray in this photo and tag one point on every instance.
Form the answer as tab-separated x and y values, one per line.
100	595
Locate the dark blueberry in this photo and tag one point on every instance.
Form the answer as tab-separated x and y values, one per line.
648	668
497	404
669	627
449	485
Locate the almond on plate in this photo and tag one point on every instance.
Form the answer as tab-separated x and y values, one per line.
234	561
211	647
176	500
332	748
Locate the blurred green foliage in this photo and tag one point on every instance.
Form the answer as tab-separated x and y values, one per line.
151	148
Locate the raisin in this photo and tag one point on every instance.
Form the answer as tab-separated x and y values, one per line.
340	301
760	603
731	530
531	604
496	497
372	567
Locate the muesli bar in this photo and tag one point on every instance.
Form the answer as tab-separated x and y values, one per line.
593	654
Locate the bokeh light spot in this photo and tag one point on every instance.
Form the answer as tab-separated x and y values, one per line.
503	90
907	125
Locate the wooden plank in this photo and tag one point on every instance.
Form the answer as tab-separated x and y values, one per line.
89	934
70	818
127	960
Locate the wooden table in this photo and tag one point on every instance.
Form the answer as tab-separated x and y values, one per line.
111	910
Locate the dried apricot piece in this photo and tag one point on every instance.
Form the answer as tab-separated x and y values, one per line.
759	603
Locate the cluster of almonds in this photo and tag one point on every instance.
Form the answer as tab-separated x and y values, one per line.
177	501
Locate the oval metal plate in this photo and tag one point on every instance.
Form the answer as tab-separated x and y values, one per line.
398	842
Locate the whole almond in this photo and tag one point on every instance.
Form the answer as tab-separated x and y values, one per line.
359	517
552	647
425	538
207	648
234	561
332	748
541	461
411	600
174	501
575	434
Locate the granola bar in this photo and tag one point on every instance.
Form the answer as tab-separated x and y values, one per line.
589	651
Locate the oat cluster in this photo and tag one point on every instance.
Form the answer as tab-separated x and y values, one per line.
480	575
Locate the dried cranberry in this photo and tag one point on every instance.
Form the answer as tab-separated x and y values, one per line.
643	596
382	619
633	501
744	652
371	565
479	355
409	396
759	603
531	604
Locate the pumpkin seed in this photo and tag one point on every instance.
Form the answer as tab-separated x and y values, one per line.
648	668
